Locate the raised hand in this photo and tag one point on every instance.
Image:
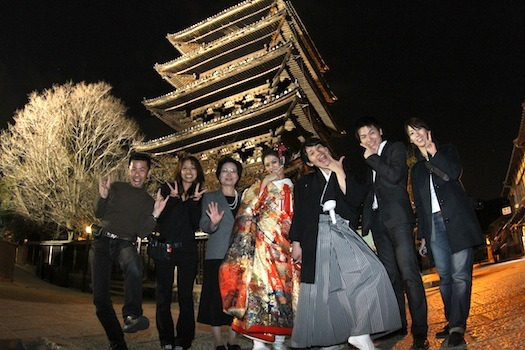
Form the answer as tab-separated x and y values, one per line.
369	150
197	195
160	204
336	165
174	190
103	186
214	214
430	146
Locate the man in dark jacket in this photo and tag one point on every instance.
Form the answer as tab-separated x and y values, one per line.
388	214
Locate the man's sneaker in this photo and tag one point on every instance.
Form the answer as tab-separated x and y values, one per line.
133	324
167	347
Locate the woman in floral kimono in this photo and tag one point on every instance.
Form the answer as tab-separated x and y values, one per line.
259	283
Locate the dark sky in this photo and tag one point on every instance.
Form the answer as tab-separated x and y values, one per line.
460	67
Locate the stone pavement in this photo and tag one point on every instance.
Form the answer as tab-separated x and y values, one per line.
37	315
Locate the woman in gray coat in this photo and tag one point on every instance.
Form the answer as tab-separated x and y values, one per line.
447	225
217	219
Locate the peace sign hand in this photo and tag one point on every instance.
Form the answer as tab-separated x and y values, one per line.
197	195
103	186
430	146
174	190
160	204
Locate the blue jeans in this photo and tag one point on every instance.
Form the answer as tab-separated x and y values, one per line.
455	275
104	252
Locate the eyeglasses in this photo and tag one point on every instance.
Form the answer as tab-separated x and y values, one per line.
228	170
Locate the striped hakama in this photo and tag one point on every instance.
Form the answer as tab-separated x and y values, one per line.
351	294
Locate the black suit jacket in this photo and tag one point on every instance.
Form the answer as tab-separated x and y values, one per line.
462	225
305	223
390	188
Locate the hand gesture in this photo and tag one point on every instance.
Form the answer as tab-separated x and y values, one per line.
174	190
160	204
214	214
103	186
336	165
369	150
430	146
197	195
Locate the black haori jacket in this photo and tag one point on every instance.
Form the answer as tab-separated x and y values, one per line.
307	207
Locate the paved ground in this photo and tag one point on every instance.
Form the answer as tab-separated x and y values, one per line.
37	315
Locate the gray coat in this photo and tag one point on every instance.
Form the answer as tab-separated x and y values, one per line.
220	238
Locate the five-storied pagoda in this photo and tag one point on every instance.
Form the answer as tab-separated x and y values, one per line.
248	76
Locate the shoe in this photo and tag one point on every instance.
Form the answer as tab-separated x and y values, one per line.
132	324
221	347
456	341
167	347
443	333
259	345
118	346
361	342
234	347
420	344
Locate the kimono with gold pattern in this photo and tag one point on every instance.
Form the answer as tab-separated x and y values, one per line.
259	283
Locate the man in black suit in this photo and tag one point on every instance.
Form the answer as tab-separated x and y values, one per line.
388	214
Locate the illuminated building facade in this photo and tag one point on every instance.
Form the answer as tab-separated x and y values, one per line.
509	239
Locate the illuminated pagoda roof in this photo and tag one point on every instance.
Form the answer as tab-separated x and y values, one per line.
220	25
238	77
243	124
220	52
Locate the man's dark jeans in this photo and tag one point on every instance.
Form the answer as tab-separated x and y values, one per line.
396	250
104	252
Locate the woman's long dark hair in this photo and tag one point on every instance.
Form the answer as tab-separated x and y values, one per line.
413	151
200	175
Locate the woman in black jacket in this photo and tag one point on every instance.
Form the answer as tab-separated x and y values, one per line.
447	225
177	225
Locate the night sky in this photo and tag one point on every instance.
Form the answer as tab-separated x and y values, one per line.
460	67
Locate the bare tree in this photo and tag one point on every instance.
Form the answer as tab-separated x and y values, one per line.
60	143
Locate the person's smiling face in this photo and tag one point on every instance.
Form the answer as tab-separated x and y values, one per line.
138	173
417	136
188	172
370	136
228	175
318	156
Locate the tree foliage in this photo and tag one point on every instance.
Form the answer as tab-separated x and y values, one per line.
61	142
